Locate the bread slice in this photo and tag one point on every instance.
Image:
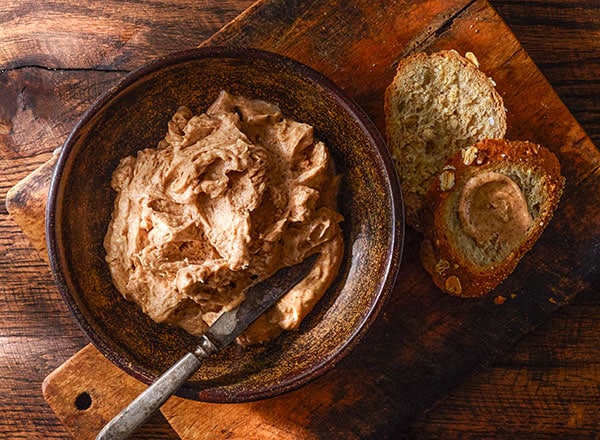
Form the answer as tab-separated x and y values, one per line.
436	105
485	210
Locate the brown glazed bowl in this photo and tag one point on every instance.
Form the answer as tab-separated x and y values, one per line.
134	116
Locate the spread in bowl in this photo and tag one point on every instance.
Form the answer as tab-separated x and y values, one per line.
226	199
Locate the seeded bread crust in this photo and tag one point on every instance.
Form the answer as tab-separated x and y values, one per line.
436	105
456	263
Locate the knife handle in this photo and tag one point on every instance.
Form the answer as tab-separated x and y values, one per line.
140	409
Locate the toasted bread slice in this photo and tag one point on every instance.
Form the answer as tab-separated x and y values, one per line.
486	209
436	105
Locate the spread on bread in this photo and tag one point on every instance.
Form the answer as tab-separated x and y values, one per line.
493	207
480	201
228	198
476	232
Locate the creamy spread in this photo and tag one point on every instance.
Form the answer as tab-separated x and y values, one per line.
225	200
493	207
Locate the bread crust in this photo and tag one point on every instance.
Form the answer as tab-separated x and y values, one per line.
452	269
447	122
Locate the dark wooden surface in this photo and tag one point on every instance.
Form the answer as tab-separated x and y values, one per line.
547	386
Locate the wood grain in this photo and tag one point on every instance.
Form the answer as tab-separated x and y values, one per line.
75	389
36	330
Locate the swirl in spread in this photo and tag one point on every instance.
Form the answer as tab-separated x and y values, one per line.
493	207
228	198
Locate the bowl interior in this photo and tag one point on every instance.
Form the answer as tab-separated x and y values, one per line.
134	116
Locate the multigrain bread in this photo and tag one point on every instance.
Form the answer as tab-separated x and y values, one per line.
436	105
476	227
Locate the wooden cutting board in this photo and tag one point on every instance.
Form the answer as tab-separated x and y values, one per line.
425	343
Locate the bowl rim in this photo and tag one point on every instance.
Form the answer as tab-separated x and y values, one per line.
394	250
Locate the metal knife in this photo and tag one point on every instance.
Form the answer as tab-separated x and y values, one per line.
223	332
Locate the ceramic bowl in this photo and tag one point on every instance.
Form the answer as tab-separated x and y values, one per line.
134	116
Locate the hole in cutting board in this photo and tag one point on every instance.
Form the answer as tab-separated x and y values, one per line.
83	401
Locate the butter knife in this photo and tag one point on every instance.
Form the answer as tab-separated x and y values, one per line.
223	332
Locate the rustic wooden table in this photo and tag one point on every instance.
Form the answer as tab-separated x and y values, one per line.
57	57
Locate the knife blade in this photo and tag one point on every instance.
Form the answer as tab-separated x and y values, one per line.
259	299
220	334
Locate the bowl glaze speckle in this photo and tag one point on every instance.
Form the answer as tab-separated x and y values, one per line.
134	116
